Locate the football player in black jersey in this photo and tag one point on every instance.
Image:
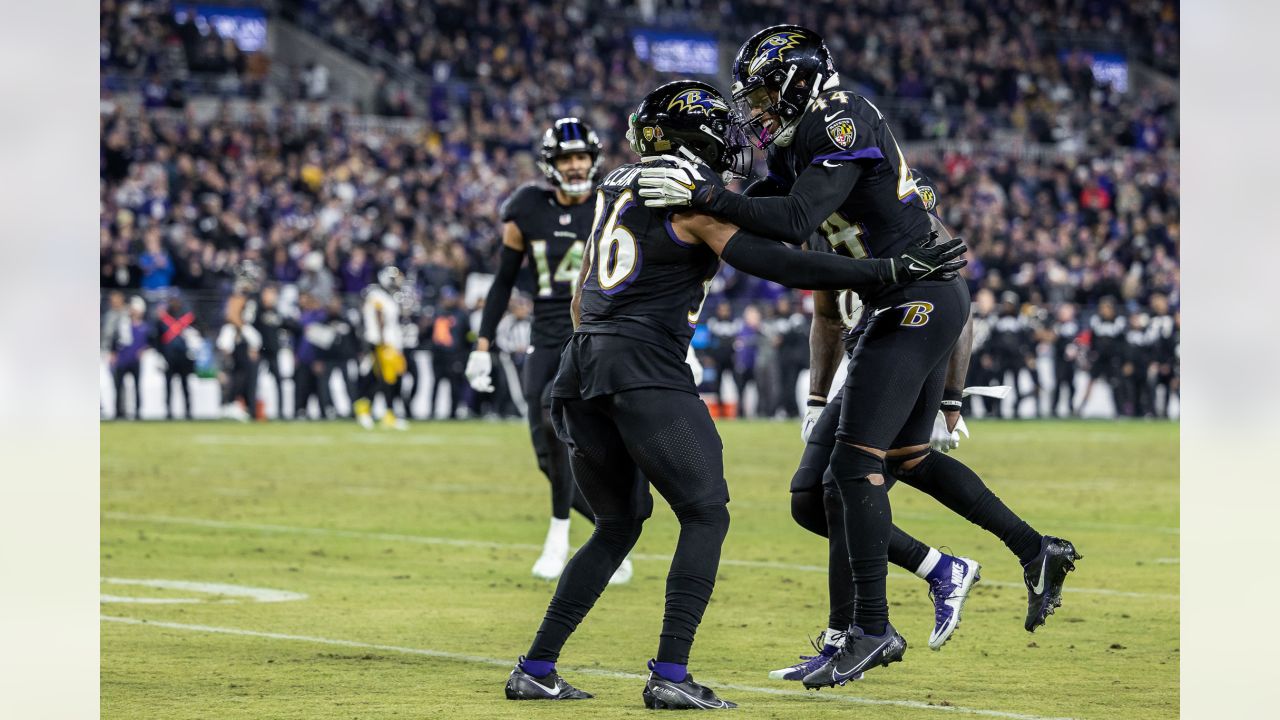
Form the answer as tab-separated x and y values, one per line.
836	328
623	398
547	225
835	168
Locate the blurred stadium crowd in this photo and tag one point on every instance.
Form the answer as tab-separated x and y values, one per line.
1063	182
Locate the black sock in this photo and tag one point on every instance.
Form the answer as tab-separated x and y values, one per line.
691	578
584	578
868	523
954	485
839	574
905	551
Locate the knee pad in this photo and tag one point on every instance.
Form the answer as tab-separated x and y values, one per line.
544	464
895	465
713	515
619	532
850	463
808	511
808	477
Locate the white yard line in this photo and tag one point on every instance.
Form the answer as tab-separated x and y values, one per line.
480	660
427	540
256	594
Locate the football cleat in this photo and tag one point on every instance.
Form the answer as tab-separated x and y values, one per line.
948	594
1044	577
623	574
523	686
662	694
861	652
552	561
810	663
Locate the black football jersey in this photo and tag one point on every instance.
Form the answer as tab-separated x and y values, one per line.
554	236
883	214
643	284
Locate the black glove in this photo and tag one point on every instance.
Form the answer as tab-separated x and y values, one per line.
935	262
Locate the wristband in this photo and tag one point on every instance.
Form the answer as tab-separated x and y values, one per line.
816	401
951	400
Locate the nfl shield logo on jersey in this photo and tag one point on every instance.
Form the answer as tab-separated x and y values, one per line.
842	132
565	219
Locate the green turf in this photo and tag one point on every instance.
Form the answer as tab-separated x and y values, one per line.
348	511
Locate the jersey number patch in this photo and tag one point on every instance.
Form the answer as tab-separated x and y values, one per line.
845	237
617	254
566	271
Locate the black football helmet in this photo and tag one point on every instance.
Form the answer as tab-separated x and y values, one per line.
790	61
925	189
567	136
691	118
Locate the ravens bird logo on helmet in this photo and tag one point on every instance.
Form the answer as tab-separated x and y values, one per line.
771	48
697	101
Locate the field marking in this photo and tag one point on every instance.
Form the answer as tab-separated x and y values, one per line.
427	540
481	660
372	439
256	594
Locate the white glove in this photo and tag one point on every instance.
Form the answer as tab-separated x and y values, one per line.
947	440
811	415
479	371
669	186
691	359
942	439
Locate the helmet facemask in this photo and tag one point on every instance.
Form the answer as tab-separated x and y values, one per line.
567	137
572	188
776	77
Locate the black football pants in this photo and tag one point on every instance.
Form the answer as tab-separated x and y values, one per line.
669	436
553	457
894	388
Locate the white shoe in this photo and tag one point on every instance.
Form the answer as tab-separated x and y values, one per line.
366	421
552	561
401	424
623	574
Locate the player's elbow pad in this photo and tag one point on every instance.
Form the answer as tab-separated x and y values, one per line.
804	270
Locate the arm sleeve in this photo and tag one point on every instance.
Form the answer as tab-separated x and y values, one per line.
495	304
770	260
817	193
771	186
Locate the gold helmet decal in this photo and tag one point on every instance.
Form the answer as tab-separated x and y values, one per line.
697	101
771	49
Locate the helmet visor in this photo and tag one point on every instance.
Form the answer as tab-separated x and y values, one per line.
759	115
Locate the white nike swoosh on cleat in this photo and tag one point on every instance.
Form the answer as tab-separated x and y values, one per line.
1038	588
827	164
552	691
845	676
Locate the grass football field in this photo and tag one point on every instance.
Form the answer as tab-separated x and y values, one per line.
400	569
